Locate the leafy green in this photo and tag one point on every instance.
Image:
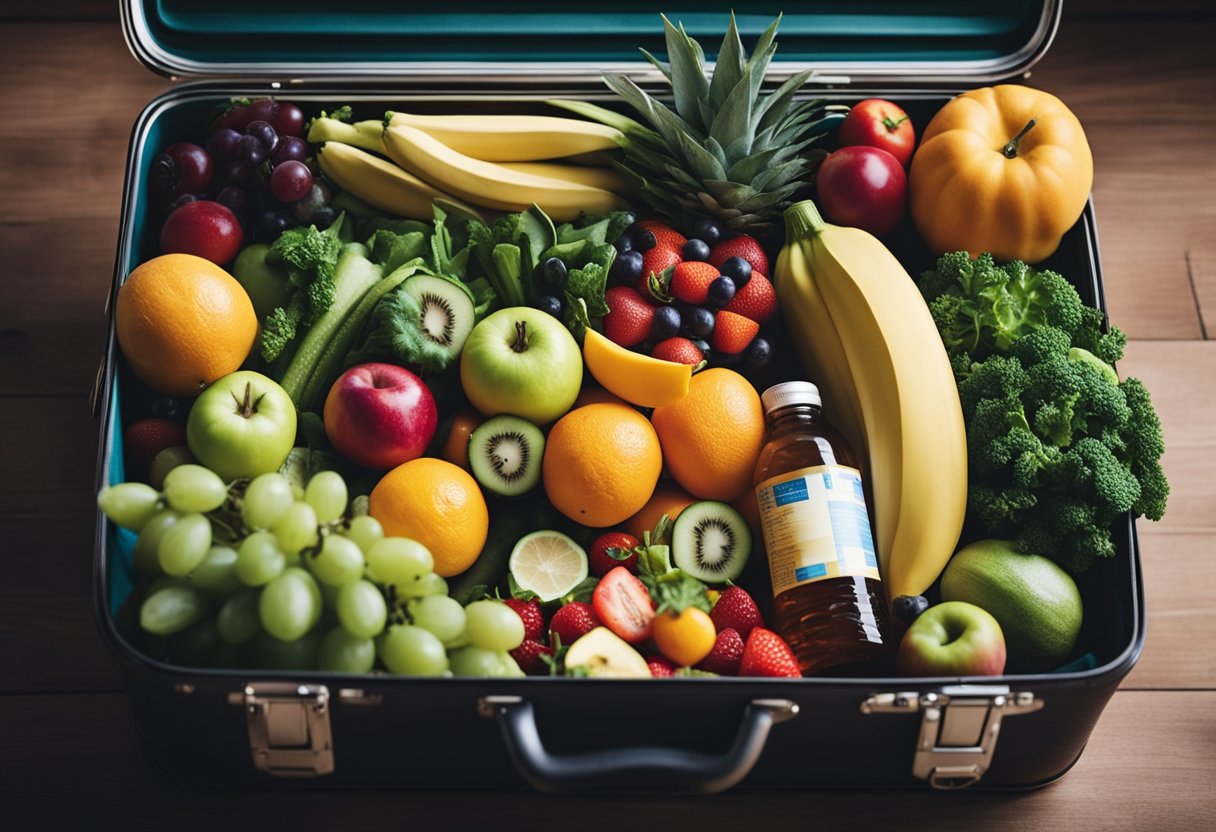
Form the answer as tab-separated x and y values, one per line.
310	257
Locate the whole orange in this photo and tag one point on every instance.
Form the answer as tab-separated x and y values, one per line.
667	500
712	437
439	505
601	464
183	322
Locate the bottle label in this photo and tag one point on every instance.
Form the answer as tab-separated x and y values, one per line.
816	526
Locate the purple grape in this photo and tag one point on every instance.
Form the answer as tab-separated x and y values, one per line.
263	109
222	144
271	224
264	133
721	292
290	148
232	198
290	181
250	152
184	199
232	173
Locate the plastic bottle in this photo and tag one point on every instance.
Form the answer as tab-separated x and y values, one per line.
829	599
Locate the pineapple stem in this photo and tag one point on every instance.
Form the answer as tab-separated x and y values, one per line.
802	219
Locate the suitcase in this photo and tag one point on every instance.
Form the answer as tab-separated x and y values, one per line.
261	728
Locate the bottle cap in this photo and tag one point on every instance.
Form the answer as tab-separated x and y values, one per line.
788	393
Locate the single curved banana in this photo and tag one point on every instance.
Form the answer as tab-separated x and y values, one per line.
378	182
636	378
491	185
593	177
505	138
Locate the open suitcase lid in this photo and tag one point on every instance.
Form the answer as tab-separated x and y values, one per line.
874	41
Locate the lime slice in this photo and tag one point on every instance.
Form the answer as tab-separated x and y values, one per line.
548	563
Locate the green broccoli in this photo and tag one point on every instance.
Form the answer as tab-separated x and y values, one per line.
310	257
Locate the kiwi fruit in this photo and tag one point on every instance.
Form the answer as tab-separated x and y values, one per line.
447	314
505	453
711	542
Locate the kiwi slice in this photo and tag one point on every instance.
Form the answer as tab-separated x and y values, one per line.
505	454
446	311
711	542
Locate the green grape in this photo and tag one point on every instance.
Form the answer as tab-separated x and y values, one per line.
399	561
259	559
193	488
269	653
195	645
297	528
412	651
289	605
509	667
343	653
339	562
146	555
428	584
476	661
297	492
129	504
361	609
492	625
171	606
266	498
232	656
326	493
166	461
329	595
366	531
184	545
238	620
441	615
217	572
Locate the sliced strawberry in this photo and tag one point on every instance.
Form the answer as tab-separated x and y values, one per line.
623	605
654	263
744	246
767	654
690	281
756	300
601	559
533	618
629	318
572	621
665	236
732	333
529	655
724	659
144	439
679	350
735	610
660	667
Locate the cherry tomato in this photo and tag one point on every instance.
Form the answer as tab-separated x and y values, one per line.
193	167
863	187
685	637
878	123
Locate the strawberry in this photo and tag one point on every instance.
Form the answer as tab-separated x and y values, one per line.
690	281
665	236
602	562
533	618
528	655
679	350
655	262
727	653
660	667
757	299
735	610
623	604
743	246
144	439
767	654
732	333
629	319
572	621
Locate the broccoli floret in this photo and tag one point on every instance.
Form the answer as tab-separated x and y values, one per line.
310	257
1145	445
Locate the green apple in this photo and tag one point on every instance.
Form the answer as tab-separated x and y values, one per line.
265	283
243	425
951	639
521	361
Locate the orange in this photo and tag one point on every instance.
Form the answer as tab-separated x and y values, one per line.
685	637
183	322
667	500
601	464
712	437
456	448
596	395
439	505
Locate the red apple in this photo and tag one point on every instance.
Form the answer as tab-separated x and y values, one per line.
952	639
380	415
203	228
863	187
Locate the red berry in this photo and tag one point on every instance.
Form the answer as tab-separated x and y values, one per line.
623	604
732	333
529	656
736	611
679	350
690	281
660	667
767	654
573	620
724	659
665	236
144	439
530	613
655	262
757	299
629	318
602	563
744	246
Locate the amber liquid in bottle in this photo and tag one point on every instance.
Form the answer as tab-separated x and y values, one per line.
839	623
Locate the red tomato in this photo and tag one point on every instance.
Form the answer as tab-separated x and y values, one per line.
863	187
878	123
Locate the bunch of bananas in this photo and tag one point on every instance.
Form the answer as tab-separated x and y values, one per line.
505	163
865	335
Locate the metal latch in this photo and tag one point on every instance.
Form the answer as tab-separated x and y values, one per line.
958	728
289	733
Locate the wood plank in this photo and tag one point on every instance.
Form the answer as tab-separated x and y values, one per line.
1201	261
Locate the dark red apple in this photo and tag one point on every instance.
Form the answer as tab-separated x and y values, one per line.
193	166
863	187
203	228
380	415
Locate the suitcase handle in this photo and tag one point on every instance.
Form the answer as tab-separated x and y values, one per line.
668	769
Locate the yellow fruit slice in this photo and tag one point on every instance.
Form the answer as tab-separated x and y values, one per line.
636	378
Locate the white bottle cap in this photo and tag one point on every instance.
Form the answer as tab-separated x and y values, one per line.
788	393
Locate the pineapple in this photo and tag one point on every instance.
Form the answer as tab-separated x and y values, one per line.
726	152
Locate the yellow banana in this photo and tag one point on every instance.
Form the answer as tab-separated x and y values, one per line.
504	138
636	378
593	177
491	185
378	182
906	393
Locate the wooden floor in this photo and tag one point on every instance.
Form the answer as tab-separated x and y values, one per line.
1145	88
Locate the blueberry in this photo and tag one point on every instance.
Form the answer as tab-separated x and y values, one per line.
623	244
738	270
631	217
169	407
644	239
701	344
758	353
626	268
323	217
553	272
729	360
700	324
696	249
271	224
721	292
666	323
707	230
907	608
550	305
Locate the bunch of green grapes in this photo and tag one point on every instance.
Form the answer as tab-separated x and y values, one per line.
266	574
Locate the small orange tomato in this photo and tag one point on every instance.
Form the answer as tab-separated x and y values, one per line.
685	637
456	449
